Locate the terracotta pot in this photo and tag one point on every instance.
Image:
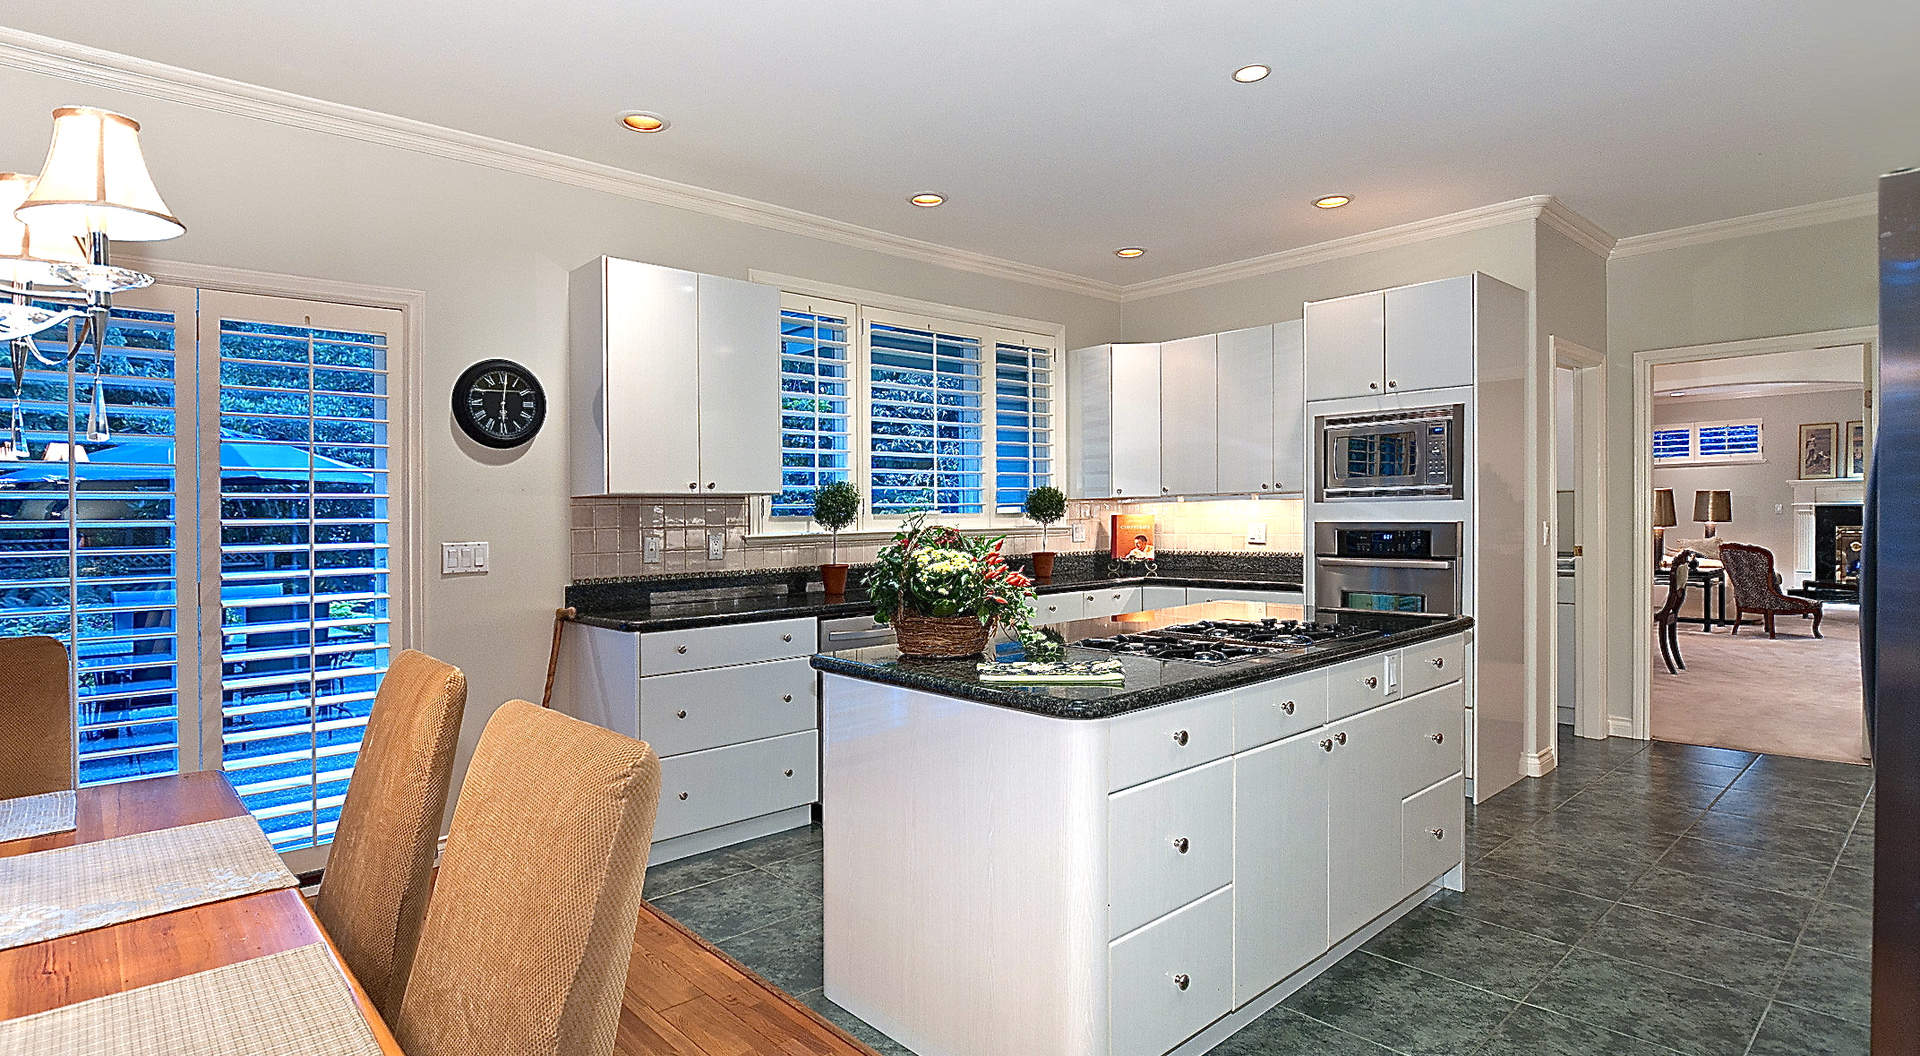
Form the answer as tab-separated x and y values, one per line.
1042	564
835	579
940	637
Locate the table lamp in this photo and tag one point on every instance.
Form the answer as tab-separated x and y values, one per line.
1663	519
1712	508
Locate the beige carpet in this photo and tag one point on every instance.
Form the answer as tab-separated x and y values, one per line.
1794	695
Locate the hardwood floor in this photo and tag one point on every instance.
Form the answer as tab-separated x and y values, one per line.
686	998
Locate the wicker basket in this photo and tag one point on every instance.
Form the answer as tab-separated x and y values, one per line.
940	637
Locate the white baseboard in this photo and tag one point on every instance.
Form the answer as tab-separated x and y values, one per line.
1619	726
1541	763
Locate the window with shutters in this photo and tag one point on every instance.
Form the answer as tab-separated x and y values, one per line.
1708	443
922	412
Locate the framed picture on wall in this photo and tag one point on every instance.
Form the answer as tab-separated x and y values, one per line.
1856	449
1820	451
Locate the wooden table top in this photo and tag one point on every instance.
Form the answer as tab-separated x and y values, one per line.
47	975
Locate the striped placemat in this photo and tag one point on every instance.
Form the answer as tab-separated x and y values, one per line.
51	893
26	816
294	1003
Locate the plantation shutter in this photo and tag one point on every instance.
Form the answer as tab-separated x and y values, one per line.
926	421
1022	422
816	408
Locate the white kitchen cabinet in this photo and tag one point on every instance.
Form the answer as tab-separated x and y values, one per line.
1169	842
1200	595
1363	817
1114	403
1059	608
675	382
1346	342
1171	978
1249	414
1158	596
1280	861
1109	601
1429	334
1432	832
1189	417
1289	408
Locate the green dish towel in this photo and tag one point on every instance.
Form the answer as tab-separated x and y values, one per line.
1087	672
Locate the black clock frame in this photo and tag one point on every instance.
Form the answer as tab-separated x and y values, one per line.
463	414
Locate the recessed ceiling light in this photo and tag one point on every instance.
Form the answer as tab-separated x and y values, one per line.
928	201
1332	201
643	121
1250	74
1129	252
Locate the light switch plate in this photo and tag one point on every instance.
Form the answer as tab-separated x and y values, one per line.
464	559
653	547
716	546
1079	533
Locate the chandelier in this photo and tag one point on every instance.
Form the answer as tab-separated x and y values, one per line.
56	236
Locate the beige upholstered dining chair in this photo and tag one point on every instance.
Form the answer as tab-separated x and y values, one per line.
528	936
373	895
36	713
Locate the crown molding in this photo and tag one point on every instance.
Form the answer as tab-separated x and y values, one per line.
1556	215
1850	208
34	53
1530	208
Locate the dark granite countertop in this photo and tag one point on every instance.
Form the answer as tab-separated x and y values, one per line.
1148	682
678	615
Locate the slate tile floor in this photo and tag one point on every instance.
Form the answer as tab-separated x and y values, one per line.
1641	900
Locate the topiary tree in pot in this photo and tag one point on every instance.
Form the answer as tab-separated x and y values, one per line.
835	506
1044	506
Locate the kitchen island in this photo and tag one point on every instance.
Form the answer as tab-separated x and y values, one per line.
1131	869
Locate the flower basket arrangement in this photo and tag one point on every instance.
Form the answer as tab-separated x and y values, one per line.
945	593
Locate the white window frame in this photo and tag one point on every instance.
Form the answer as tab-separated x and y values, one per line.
1693	457
862	308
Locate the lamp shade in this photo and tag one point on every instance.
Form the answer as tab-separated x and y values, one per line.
1663	508
95	181
1713	507
28	255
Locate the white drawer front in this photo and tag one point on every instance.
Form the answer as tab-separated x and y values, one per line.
1155	596
1169	980
1168	842
1271	597
1433	728
695	710
720	785
1432	832
1432	664
1357	685
668	652
1098	604
1158	741
1059	608
1267	711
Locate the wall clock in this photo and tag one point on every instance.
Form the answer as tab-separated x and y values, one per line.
499	403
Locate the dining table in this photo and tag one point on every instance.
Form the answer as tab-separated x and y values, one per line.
54	973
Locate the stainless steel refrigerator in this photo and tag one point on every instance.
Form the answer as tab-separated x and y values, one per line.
1890	624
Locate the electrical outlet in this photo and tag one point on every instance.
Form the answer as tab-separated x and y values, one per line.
653	547
716	546
464	559
1256	533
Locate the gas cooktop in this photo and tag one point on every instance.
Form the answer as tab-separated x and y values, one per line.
1216	642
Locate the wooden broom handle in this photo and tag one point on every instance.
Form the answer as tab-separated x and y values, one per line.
560	618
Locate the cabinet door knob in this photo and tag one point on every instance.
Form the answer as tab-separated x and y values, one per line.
694	485
1326	744
789	773
680	649
1264	487
1181	981
786	637
1340	738
709	485
1180	738
1393	384
1372	682
786	698
1438	834
1287	706
1438	738
1438	661
1164	489
1180	844
683	795
681	714
1373	384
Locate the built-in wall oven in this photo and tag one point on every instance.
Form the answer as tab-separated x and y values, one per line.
1407	454
1408	568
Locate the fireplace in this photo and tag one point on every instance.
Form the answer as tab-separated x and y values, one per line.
1836	549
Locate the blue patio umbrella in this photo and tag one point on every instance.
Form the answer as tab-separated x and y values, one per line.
241	456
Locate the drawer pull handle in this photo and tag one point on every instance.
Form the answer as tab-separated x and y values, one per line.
1326	744
1180	738
1372	682
1438	738
1438	834
1180	844
680	649
683	795
1438	662
786	637
1287	706
1340	738
681	714
789	773
786	698
1181	981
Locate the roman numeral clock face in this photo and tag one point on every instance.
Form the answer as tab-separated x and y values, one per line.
498	403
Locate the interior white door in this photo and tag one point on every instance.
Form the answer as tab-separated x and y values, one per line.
1189	417
1290	435
739	387
1346	347
1246	391
1280	861
1135	395
1430	334
652	427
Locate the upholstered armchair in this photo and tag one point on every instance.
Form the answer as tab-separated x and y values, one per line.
1756	588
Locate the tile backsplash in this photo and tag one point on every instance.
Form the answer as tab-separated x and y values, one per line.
609	534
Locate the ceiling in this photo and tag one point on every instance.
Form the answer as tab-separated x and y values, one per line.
1832	369
1063	129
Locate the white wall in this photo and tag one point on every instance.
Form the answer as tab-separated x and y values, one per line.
492	251
1762	496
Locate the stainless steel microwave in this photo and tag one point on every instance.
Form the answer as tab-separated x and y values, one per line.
1410	454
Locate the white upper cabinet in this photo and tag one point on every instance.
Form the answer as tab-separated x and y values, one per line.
1116	413
1290	437
1248	411
1189	417
675	382
1406	338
